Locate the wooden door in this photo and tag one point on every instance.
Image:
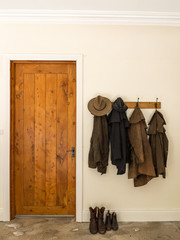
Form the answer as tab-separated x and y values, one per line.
43	131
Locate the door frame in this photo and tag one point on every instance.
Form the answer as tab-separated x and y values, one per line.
5	126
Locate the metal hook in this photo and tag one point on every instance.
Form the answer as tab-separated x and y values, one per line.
156	103
137	104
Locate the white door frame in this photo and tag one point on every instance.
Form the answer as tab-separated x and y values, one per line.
5	128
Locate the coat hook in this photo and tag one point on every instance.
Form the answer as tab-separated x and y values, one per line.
156	103
137	104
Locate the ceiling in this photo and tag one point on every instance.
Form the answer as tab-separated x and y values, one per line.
95	5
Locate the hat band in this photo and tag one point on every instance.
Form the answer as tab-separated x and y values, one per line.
99	108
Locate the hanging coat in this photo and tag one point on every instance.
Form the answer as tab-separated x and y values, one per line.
141	166
118	125
99	147
159	143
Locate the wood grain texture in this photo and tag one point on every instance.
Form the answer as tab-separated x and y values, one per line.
28	160
40	158
43	62
62	140
51	68
50	139
19	139
71	139
143	104
43	125
44	210
12	141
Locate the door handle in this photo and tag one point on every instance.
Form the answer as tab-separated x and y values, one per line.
72	151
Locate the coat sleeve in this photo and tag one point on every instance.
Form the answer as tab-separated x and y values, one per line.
166	144
115	142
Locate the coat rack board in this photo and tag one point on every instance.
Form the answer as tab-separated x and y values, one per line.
144	104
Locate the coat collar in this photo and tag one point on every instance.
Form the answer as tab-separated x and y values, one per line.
119	105
156	123
137	116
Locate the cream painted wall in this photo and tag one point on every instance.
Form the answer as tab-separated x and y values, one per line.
125	61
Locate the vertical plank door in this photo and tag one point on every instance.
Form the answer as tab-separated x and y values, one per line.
43	131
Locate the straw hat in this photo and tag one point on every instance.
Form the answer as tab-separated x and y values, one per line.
99	106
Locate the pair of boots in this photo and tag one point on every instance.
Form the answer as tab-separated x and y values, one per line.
111	221
96	221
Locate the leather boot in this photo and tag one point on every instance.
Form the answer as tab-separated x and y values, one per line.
93	220
101	225
114	223
108	221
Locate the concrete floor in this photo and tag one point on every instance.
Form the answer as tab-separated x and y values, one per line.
67	228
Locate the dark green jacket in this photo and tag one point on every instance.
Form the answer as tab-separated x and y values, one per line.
99	148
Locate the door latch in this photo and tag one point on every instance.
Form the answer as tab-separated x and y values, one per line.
72	151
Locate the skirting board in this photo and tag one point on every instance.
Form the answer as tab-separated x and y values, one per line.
134	216
142	216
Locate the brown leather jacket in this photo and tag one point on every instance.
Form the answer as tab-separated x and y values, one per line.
99	148
141	167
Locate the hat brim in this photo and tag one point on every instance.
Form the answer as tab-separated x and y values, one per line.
103	112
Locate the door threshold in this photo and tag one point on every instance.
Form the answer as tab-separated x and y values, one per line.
44	216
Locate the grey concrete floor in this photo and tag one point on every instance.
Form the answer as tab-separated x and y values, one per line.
67	228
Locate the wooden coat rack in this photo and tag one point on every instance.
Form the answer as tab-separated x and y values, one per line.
149	105
143	104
